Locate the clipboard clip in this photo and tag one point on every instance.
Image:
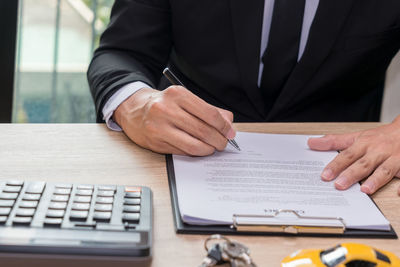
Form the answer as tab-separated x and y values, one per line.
287	228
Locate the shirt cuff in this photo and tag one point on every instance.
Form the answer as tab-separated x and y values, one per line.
116	99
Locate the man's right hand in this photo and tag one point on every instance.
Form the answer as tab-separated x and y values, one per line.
174	121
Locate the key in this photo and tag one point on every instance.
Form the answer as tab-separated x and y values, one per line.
81	206
28	204
62	191
102	216
35	188
12	189
237	253
7	203
58	205
59	198
132	194
15	183
86	187
214	256
84	192
78	215
103	207
132	201
82	199
55	213
22	212
104	200
8	196
22	220
130	217
31	197
104	193
131	208
107	188
67	186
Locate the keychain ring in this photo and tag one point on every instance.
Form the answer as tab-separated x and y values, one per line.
215	237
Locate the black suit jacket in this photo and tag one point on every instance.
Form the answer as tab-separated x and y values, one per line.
214	48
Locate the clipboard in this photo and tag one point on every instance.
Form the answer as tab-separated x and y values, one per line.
267	230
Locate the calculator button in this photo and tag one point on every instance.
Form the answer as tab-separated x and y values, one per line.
103	207
78	215
59	198
25	212
131	208
31	197
35	188
85	186
22	220
8	195
55	222
130	217
12	189
105	193
15	183
58	205
107	188
3	219
66	186
7	203
104	200
28	204
55	213
132	201
62	191
83	192
133	189
102	216
132	194
82	199
5	211
81	206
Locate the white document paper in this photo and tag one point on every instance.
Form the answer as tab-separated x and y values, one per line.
272	172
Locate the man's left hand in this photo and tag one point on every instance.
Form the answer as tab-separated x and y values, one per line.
373	154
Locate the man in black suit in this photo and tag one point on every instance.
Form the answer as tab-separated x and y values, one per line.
258	60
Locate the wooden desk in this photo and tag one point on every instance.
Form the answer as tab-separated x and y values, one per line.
91	153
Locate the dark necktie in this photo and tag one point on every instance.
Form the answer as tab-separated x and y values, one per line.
281	55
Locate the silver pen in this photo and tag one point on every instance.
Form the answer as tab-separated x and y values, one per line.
175	81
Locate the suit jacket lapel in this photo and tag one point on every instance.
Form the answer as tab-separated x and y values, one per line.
328	23
247	17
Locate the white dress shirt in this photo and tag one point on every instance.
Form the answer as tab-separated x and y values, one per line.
126	91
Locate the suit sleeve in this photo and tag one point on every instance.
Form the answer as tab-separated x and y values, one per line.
134	47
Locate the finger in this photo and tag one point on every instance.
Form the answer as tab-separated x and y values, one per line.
228	115
208	113
381	176
343	160
165	148
359	170
187	143
200	130
332	141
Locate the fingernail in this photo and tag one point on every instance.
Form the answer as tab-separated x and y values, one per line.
367	188
231	134
341	183
327	175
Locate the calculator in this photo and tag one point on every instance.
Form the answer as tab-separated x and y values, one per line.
76	221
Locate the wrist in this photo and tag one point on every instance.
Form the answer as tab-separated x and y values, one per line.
134	101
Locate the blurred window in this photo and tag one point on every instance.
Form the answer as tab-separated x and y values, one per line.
55	42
